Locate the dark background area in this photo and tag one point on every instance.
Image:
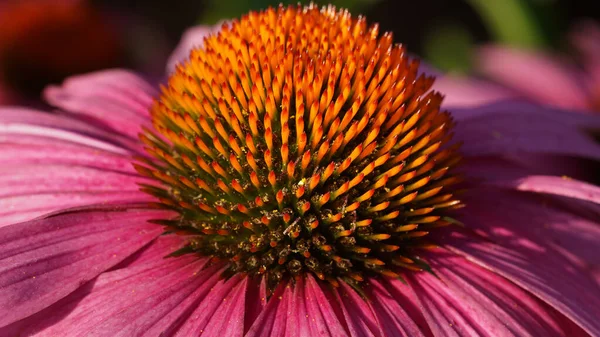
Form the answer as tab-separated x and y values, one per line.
411	21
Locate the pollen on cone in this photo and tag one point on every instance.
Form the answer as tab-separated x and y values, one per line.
301	133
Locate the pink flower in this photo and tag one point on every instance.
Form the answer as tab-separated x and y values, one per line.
82	254
550	79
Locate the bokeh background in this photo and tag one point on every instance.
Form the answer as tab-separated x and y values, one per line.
139	34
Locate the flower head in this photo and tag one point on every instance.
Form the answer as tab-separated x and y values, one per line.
82	254
298	140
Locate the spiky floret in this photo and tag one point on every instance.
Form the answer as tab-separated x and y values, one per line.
299	140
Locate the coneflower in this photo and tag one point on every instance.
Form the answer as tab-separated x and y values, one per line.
301	141
294	177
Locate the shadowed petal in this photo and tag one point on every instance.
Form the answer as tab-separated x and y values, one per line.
44	260
537	269
520	107
117	99
151	295
504	133
472	300
549	229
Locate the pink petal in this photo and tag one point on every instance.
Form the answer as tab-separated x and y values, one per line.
273	320
192	38
44	168
30	190
36	127
357	313
509	132
463	92
227	318
322	309
519	244
482	301
499	215
563	186
14	209
538	76
586	38
44	260
160	293
390	308
116	99
63	153
514	172
516	106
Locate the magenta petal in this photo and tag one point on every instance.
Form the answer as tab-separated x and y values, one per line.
28	191
534	267
499	215
562	186
44	260
537	75
357	312
274	318
519	107
511	132
227	318
151	296
115	98
390	308
50	162
325	308
301	309
41	125
489	303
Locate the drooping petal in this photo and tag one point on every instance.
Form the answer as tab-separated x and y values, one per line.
539	76
44	260
464	299
151	295
511	132
50	162
499	215
322	309
528	246
117	99
41	126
